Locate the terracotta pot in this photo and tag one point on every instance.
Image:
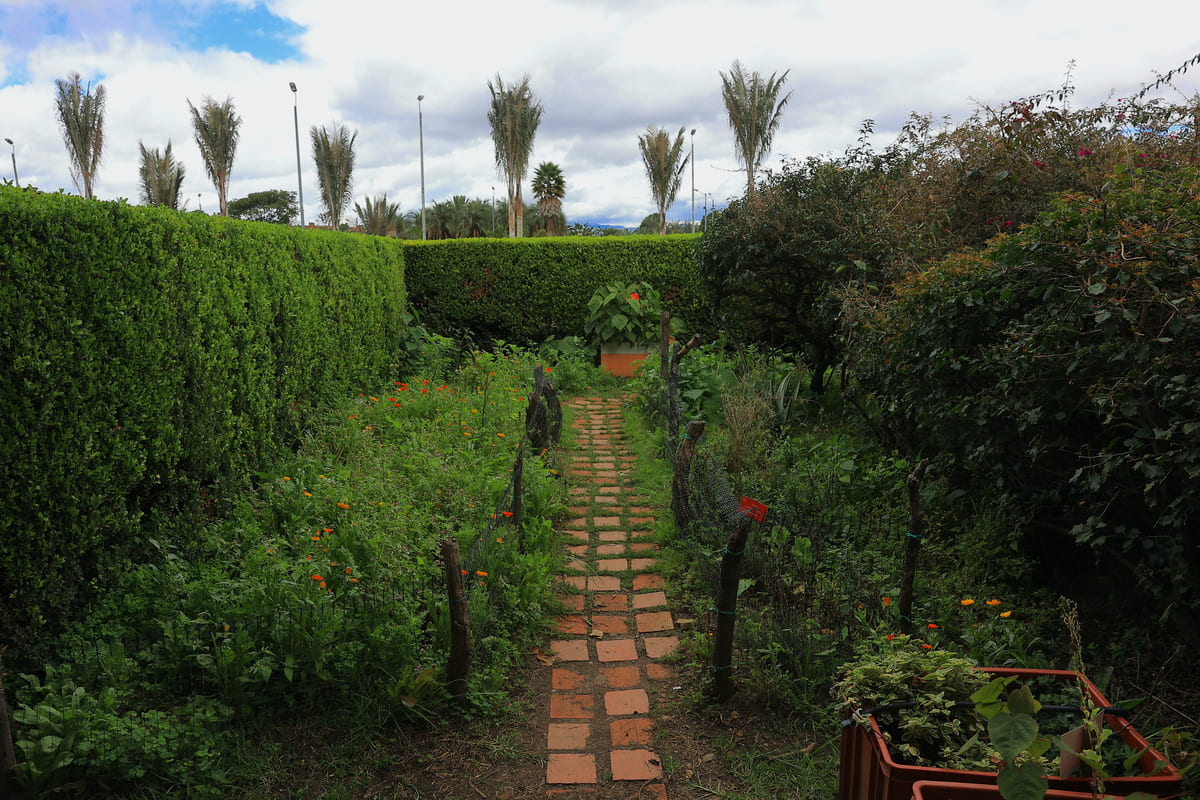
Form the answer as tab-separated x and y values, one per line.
623	360
868	771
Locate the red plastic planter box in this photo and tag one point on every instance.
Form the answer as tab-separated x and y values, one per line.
868	771
938	790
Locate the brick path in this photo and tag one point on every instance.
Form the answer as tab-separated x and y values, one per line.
617	628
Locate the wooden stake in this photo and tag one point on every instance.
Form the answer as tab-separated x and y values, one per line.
682	472
458	665
731	569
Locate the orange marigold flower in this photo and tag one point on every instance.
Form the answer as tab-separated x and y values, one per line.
499	540
317	578
328	530
286	478
349	570
322	584
891	636
315	538
354	580
481	573
966	601
993	602
507	513
634	296
464	572
308	494
927	646
342	505
1006	614
887	601
932	626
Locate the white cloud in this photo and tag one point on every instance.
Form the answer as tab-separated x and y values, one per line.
604	69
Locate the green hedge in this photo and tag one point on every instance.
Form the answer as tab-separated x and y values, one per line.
526	290
152	356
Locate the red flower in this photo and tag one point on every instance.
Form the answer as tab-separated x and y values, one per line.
634	296
932	626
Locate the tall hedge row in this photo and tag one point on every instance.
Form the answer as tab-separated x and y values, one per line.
526	290
150	357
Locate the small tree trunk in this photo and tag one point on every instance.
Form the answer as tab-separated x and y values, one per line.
912	545
458	665
731	568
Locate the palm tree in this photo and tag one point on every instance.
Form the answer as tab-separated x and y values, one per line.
754	107
443	220
380	217
81	117
161	177
665	163
476	219
549	187
333	152
216	128
514	116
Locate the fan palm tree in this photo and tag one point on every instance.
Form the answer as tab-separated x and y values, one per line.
514	116
216	127
754	107
161	177
81	117
333	152
443	220
476	219
380	217
665	162
549	187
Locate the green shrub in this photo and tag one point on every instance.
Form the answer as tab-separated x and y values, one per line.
154	356
528	290
1058	368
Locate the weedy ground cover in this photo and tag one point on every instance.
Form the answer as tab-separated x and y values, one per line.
317	594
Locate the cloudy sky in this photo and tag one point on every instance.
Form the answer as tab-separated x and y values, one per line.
603	69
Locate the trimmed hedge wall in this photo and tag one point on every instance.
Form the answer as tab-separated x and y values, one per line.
526	290
151	356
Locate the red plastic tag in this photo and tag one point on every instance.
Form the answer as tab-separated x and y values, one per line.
753	509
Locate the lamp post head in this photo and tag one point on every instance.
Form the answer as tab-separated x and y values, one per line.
292	84
693	131
420	97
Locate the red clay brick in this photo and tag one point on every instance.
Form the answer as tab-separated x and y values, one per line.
630	732
580	536
573	625
603	583
654	622
616	650
572	706
660	646
571	649
635	765
571	768
572	602
570	736
606	522
577	550
613	536
565	679
642	564
610	550
623	677
649	600
610	624
624	702
648	581
610	602
612	565
574	581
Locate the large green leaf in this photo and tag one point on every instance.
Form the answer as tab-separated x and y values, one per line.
1012	733
1026	782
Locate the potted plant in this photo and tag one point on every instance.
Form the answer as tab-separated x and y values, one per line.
624	320
914	713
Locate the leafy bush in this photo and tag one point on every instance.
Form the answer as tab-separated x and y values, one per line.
1057	368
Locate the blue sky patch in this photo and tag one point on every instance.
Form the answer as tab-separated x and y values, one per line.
254	30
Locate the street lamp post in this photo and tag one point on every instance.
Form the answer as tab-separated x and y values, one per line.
16	180
693	160
296	120
421	138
